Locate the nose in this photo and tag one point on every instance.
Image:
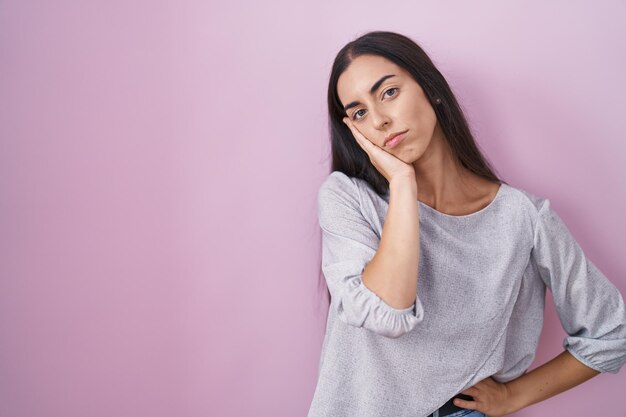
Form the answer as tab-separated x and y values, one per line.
381	120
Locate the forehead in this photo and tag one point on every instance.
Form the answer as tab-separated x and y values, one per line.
362	73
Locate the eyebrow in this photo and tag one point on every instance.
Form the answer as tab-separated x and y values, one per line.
372	91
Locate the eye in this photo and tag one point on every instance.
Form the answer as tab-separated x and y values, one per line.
394	89
354	115
390	89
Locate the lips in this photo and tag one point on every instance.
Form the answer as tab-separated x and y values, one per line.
394	138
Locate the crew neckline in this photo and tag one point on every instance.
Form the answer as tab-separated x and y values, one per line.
464	216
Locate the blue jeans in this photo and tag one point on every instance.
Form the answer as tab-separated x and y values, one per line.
462	413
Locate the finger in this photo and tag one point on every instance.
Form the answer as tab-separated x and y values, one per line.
358	136
366	148
346	121
490	380
363	143
466	404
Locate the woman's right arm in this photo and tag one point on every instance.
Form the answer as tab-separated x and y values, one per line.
349	245
392	273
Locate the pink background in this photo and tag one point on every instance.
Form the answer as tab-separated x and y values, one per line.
159	163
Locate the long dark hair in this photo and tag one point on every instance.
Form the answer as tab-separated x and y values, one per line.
347	155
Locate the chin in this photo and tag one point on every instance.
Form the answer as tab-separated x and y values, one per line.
410	154
414	154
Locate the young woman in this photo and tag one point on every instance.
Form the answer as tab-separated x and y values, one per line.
436	268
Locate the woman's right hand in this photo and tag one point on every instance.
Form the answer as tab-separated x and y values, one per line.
384	162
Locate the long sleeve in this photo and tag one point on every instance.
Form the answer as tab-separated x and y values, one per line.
590	308
348	244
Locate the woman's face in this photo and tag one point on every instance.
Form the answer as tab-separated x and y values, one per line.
397	104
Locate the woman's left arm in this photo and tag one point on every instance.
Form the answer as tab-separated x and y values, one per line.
497	399
592	313
552	378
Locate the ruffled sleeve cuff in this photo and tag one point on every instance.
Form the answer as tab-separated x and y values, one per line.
361	307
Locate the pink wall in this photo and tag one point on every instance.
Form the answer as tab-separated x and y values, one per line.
159	162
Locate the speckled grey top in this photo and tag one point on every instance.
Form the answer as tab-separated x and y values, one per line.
479	309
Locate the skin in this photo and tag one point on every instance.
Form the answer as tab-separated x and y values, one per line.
425	160
553	377
400	104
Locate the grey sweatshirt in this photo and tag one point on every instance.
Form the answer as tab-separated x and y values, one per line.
479	308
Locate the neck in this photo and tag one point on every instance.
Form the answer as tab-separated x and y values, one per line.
442	182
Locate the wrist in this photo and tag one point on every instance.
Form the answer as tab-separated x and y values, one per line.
516	398
403	182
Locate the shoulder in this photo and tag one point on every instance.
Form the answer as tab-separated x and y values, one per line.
338	187
337	180
339	206
530	201
526	200
530	205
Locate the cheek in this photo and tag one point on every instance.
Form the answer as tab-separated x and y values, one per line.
424	118
369	133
